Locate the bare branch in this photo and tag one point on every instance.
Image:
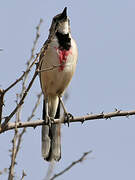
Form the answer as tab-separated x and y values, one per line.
4	171
35	107
18	80
13	157
17	140
53	29
22	99
1	103
53	67
35	42
23	175
71	165
31	57
14	142
20	103
29	66
81	119
18	136
29	119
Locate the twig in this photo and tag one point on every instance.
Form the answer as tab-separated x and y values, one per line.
18	80
35	41
53	29
35	107
29	119
17	140
1	103
53	67
20	103
4	171
81	119
31	57
71	165
29	66
29	62
18	136
24	75
23	175
13	157
14	142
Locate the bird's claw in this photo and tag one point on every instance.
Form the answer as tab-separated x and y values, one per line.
49	121
68	117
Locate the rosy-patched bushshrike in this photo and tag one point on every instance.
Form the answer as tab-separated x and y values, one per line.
62	55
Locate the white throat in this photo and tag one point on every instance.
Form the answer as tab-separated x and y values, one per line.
64	28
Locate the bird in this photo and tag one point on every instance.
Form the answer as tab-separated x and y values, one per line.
62	54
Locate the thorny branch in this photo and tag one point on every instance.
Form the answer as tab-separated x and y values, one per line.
17	139
13	156
29	119
81	119
71	165
23	175
24	75
53	67
29	66
53	29
20	103
1	103
31	57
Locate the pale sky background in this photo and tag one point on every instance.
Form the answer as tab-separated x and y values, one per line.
104	80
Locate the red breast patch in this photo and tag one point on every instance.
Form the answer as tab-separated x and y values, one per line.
63	57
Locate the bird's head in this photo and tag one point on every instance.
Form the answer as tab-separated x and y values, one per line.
62	22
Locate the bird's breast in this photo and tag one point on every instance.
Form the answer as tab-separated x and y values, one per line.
63	63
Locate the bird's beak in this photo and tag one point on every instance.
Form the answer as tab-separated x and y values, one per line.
64	14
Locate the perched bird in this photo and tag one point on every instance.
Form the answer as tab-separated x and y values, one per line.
62	55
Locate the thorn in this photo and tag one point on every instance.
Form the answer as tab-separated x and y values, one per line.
82	121
116	110
34	127
127	116
20	123
24	174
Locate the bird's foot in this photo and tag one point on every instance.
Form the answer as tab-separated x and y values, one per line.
49	120
68	117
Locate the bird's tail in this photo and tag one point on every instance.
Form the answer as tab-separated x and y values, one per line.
51	136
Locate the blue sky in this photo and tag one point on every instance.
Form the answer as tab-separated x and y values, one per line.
104	80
